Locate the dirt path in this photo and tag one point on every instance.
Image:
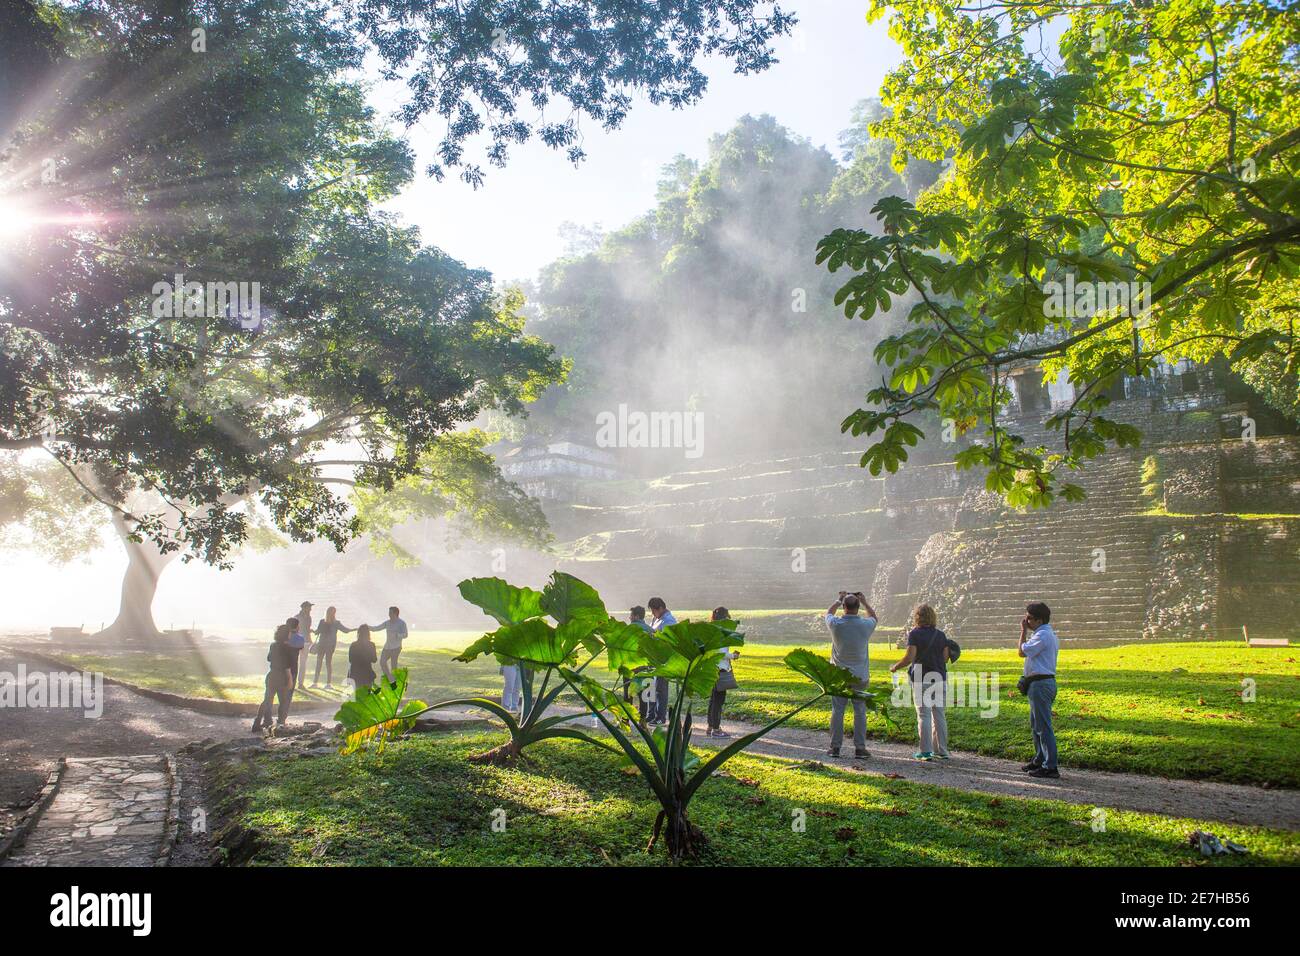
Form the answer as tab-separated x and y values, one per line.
33	739
1195	799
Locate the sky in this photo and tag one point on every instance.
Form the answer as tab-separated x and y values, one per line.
510	225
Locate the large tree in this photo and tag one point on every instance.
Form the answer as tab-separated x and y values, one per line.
1153	149
214	139
182	414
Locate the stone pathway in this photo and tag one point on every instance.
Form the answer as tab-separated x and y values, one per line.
107	811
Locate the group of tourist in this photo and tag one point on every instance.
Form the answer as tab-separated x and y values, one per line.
929	650
850	619
293	646
653	699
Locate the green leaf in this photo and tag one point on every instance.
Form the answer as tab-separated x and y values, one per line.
622	645
377	714
831	678
505	602
484	645
567	598
537	643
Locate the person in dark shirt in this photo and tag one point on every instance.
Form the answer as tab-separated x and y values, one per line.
927	665
279	680
726	682
361	658
645	707
328	632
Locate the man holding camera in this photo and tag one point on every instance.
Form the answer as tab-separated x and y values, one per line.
1039	646
850	636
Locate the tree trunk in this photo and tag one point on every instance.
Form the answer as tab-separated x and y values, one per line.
145	564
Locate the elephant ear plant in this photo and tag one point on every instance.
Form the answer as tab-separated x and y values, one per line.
377	715
687	655
540	646
557	633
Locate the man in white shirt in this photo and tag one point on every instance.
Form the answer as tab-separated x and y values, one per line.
1039	646
397	632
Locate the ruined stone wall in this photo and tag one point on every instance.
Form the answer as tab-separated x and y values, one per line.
1259	582
1160	549
1182	595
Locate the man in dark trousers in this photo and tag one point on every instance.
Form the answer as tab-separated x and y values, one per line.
661	618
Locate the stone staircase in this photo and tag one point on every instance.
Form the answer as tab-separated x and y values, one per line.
1089	561
788	532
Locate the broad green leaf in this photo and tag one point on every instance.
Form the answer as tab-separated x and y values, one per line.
622	645
377	714
566	598
832	679
505	602
537	643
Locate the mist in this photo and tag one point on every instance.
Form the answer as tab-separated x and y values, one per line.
709	305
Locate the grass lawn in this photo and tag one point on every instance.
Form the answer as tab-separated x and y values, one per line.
421	804
1174	710
1168	709
236	670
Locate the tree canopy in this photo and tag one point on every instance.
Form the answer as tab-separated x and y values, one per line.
1154	148
478	65
155	157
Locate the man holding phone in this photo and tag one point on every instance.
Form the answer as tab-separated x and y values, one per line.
1038	646
850	639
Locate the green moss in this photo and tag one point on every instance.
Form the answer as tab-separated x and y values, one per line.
1152	479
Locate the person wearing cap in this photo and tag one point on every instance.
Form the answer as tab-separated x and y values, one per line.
300	640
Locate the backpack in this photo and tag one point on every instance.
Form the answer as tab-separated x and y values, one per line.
954	650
